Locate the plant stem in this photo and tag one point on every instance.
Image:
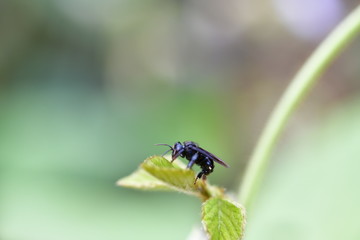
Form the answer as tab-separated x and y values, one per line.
298	88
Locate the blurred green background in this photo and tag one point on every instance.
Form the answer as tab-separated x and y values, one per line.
87	88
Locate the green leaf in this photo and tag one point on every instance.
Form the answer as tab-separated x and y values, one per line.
176	177
141	179
158	173
223	219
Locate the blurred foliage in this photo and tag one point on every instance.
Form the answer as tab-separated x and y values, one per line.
312	191
87	88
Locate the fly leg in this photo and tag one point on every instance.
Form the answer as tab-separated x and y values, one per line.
200	175
193	160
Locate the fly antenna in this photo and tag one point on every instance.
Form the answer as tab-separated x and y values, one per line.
163	144
166	152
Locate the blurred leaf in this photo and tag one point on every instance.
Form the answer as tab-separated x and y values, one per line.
180	179
223	219
158	161
141	179
312	190
157	173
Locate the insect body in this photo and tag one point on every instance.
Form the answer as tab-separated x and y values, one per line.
196	155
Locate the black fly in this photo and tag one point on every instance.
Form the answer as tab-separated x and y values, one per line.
196	155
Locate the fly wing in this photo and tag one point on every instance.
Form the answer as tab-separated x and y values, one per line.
209	155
